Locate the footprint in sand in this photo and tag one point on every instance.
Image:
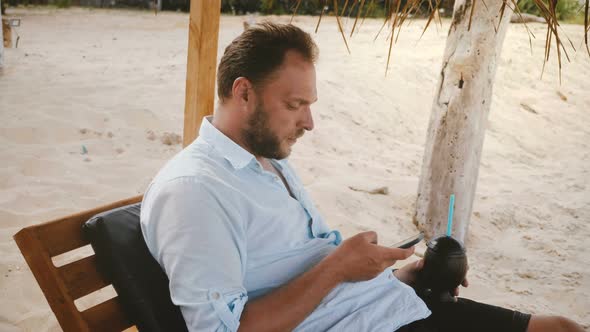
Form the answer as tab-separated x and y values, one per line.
170	138
519	291
151	135
527	275
572	279
86	131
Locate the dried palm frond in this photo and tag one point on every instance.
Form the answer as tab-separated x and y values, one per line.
389	11
356	2
396	15
321	14
410	7
550	16
340	25
368	12
502	9
431	16
515	9
344	8
295	11
393	25
358	14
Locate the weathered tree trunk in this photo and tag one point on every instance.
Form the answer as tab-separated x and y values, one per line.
459	117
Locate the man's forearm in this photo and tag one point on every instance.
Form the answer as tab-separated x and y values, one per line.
286	307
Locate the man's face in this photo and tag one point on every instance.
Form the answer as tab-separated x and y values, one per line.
281	113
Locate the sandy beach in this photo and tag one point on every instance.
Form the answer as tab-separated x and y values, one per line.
92	101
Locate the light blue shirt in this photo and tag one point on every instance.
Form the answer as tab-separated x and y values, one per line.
226	231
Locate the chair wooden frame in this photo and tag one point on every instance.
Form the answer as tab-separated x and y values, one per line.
39	243
65	284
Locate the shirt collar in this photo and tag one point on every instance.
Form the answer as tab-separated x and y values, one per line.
237	156
279	163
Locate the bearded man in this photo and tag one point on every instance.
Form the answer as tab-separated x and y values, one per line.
242	243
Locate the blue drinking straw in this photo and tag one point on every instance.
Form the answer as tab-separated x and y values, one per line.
450	221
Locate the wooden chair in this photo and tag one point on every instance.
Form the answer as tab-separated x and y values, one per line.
65	284
40	243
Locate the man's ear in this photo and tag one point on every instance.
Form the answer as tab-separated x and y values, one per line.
240	89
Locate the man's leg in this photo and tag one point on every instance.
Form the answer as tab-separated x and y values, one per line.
553	324
466	316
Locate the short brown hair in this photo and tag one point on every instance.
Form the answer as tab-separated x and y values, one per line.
258	52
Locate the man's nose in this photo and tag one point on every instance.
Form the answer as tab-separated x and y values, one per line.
307	121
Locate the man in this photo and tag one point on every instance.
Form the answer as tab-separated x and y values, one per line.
242	243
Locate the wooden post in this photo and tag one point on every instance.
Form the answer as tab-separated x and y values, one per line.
201	65
459	117
6	33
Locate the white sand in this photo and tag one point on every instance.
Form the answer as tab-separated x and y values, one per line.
79	75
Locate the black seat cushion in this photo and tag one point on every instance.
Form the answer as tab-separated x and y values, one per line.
124	258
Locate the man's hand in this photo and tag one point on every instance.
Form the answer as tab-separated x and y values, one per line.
358	258
409	273
361	258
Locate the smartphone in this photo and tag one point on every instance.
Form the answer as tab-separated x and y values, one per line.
409	242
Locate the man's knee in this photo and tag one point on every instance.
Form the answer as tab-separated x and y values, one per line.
568	324
553	324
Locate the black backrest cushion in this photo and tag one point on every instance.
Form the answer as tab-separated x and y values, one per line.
124	258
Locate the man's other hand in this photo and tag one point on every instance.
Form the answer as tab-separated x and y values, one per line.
361	258
409	273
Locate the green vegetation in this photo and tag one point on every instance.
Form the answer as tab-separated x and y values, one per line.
566	10
307	7
63	3
576	19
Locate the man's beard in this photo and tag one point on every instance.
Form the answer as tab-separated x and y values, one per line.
260	139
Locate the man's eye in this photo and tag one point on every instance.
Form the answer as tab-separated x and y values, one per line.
292	107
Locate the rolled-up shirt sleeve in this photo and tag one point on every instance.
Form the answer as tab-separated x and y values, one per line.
201	247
